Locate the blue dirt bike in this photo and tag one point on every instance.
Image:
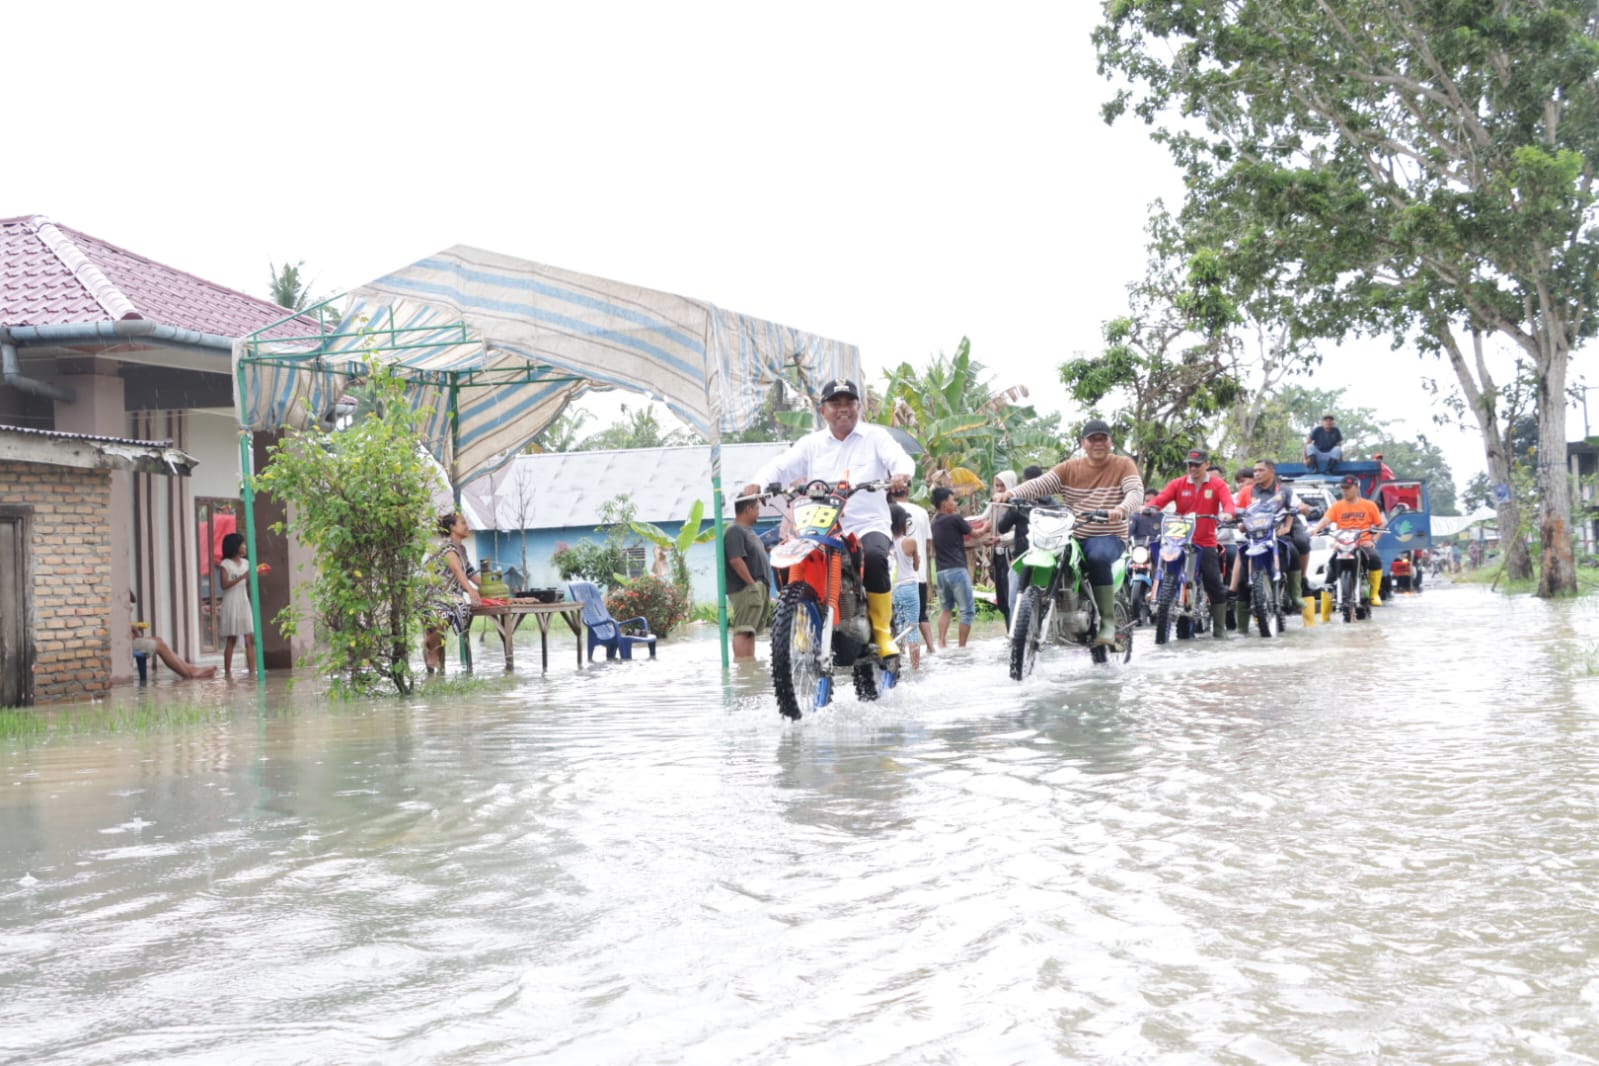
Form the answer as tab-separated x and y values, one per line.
1179	597
1259	550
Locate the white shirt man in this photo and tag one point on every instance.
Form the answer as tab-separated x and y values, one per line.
847	450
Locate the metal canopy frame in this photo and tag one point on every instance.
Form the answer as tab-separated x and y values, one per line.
321	357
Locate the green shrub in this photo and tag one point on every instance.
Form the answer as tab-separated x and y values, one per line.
591	561
660	603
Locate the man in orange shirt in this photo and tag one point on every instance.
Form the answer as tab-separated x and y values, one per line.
1354	512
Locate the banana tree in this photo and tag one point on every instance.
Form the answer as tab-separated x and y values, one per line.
693	532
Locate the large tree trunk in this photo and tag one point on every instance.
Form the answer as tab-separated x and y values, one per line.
1482	397
1559	564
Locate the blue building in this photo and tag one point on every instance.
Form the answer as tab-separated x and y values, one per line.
528	508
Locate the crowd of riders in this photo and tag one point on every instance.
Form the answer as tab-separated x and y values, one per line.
1105	492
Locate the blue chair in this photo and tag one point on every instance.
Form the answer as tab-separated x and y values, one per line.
605	631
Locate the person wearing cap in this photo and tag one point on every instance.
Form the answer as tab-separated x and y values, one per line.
1353	511
1204	495
1097	481
1293	542
1324	446
849	450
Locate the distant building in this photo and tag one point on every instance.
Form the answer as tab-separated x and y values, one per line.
542	501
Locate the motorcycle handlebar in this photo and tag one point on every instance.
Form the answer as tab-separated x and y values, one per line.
820	485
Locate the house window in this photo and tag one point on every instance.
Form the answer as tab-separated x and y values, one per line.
638	561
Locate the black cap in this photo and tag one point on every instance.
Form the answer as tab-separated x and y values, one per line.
1350	479
1197	457
1096	425
840	387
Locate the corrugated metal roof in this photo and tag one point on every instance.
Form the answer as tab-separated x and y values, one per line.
55	275
56	434
565	490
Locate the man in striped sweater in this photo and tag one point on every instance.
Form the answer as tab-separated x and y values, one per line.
1098	481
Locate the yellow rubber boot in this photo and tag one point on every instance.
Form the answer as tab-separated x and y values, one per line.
1308	612
1327	605
1376	586
880	608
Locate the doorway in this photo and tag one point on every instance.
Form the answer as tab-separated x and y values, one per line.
16	607
215	518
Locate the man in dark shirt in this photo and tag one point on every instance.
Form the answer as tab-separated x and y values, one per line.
950	530
1324	446
748	573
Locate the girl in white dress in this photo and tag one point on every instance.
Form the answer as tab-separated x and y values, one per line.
236	621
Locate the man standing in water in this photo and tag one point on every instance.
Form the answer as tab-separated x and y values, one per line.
848	450
1099	481
749	594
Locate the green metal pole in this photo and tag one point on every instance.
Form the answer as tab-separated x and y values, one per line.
455	487
247	478
721	564
247	469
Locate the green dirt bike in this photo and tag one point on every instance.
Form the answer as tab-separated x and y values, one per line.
1054	601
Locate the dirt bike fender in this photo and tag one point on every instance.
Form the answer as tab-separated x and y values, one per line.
791	552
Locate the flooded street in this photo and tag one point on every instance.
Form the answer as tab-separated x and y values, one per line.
1370	842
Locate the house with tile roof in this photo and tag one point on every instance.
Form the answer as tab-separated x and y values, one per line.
533	505
97	341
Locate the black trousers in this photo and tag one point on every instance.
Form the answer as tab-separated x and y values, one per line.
876	546
1210	574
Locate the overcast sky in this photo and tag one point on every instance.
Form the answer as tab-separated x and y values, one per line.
895	176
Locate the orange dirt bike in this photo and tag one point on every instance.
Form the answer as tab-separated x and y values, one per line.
821	624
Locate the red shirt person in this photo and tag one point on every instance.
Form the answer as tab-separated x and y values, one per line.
1203	494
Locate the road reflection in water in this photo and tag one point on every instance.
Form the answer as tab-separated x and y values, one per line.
1371	841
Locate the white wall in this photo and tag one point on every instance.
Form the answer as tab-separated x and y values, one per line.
214	441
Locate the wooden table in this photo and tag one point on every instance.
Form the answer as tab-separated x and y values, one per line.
508	619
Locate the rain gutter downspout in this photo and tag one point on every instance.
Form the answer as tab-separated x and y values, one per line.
11	374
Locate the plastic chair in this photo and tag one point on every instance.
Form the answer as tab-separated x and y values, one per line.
605	631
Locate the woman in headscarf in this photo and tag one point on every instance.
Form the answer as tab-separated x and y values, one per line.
999	562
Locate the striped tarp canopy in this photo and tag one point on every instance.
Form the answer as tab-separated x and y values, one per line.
502	345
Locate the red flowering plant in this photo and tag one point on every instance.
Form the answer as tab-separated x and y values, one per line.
660	603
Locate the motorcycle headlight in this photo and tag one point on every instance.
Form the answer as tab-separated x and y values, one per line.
1140	555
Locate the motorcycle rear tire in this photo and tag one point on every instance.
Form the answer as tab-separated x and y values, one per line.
1261	599
1024	632
1140	595
1346	593
797	652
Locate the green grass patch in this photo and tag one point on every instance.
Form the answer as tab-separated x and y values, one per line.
1493	576
48	723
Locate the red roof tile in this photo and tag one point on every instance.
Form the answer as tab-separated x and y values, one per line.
54	275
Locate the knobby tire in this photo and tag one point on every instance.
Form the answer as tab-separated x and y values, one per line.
1261	600
1024	632
796	670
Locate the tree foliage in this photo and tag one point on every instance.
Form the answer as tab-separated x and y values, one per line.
677	546
361	499
1169	366
1421	167
969	428
638	427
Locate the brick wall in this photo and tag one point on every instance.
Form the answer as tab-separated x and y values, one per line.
69	543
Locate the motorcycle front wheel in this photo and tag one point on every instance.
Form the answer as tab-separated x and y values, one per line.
1261	599
1163	607
797	651
1025	618
1346	593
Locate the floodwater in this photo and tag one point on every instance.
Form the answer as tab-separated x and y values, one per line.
1375	842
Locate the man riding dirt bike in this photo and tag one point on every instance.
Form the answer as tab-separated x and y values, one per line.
1206	497
1353	512
1098	482
849	451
